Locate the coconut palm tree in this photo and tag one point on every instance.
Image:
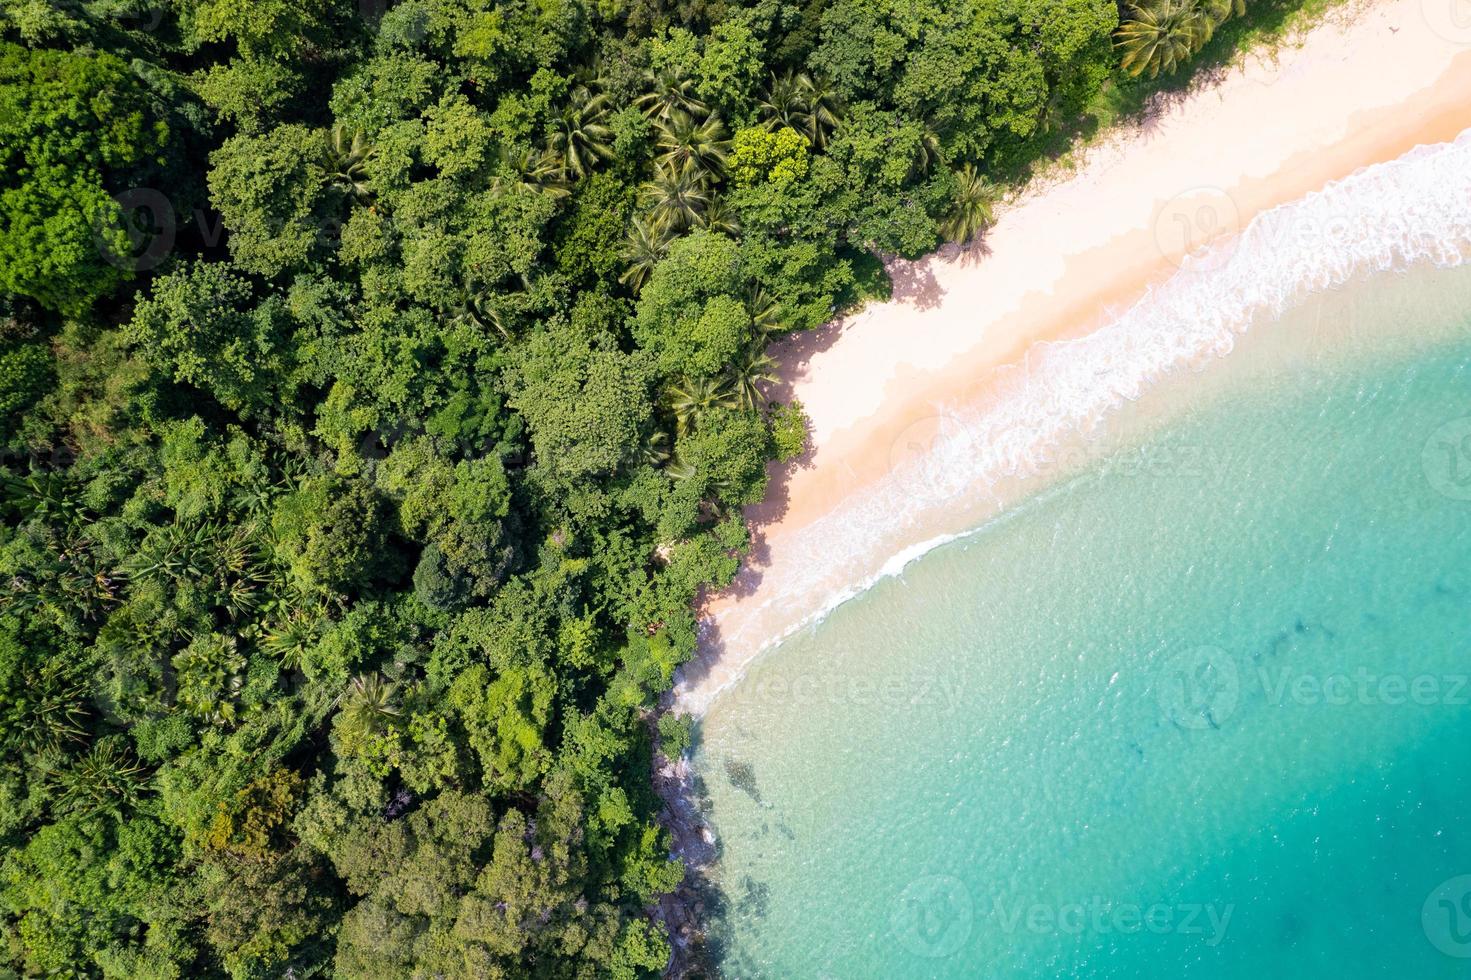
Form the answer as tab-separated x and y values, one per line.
345	162
669	92
785	103
1161	35
824	110
677	197
580	139
970	211
719	217
1223	10
522	169
766	313
687	141
480	312
751	370
929	150
644	247
689	398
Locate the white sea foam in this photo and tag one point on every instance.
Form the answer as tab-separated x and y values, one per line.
1409	211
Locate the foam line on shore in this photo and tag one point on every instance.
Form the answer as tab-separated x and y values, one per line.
1409	211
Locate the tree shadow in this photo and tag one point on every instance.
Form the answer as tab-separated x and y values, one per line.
913	282
971	253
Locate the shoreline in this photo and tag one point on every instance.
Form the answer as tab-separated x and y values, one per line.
1134	209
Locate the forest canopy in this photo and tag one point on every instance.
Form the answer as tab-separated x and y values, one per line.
380	383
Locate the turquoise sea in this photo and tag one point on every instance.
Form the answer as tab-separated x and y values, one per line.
1202	709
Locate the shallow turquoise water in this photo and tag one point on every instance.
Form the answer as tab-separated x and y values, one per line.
1201	711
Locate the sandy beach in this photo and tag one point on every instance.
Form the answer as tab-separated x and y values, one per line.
1063	260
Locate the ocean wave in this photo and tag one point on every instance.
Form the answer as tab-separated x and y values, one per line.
1410	211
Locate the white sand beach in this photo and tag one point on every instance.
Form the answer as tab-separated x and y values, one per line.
1063	260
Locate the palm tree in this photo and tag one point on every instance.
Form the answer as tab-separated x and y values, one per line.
1161	35
754	368
970	211
292	638
346	162
824	110
49	496
719	217
690	398
929	150
46	710
679	470
669	92
766	313
210	674
690	142
655	449
369	704
522	169
676	197
106	779
785	103
1221	11
643	249
805	104
580	138
480	312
